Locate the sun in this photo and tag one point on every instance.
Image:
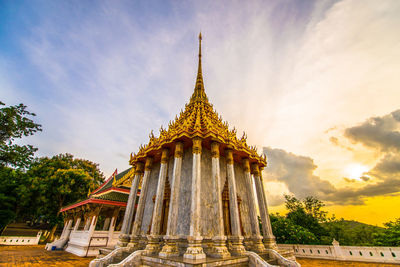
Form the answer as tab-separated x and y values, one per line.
355	171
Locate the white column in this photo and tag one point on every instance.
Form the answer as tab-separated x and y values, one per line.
92	227
65	226
130	207
68	228
257	244
154	239
137	224
170	248
237	238
194	249
269	239
219	249
106	224
78	222
112	226
87	223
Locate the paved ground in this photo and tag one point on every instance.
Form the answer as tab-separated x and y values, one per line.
38	256
329	263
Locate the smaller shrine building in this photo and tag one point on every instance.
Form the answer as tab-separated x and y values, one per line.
95	222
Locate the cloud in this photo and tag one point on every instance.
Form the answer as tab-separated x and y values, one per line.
377	133
297	173
381	133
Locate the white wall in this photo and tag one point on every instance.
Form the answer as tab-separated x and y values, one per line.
20	240
349	253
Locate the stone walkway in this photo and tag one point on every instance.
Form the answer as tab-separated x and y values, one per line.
38	256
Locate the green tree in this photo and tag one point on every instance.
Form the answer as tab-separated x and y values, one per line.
390	235
15	123
55	182
307	214
287	232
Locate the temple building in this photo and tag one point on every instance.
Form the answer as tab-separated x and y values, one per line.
95	222
194	199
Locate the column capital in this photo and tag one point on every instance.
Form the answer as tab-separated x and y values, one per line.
139	168
197	145
255	170
229	156
246	164
148	164
215	149
164	155
178	149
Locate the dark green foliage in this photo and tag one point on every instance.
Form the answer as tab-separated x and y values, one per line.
287	232
57	181
350	233
307	223
8	195
389	236
14	124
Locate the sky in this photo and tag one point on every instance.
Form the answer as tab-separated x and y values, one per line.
315	85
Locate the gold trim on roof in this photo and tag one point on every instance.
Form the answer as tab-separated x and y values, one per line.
199	119
125	180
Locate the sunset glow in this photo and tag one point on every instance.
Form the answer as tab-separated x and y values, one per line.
314	84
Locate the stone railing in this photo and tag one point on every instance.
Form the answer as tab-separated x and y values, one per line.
256	261
108	259
348	253
130	261
20	240
281	260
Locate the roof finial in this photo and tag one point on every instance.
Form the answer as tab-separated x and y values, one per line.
200	38
199	93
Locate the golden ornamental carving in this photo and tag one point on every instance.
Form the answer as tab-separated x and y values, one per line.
255	170
198	119
164	155
139	168
148	165
215	149
246	165
196	145
178	150
126	179
229	156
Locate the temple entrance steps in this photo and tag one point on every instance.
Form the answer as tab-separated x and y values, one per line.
124	257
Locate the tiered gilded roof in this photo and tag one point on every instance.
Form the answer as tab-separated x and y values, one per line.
199	119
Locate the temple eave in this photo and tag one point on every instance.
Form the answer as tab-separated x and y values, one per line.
241	150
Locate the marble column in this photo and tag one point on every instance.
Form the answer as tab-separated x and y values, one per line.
171	248
154	239
219	249
130	207
269	239
236	239
256	238
194	249
112	225
137	224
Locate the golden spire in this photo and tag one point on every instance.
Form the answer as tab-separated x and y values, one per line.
199	92
199	119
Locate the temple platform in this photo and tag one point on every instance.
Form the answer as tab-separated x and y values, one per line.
207	262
